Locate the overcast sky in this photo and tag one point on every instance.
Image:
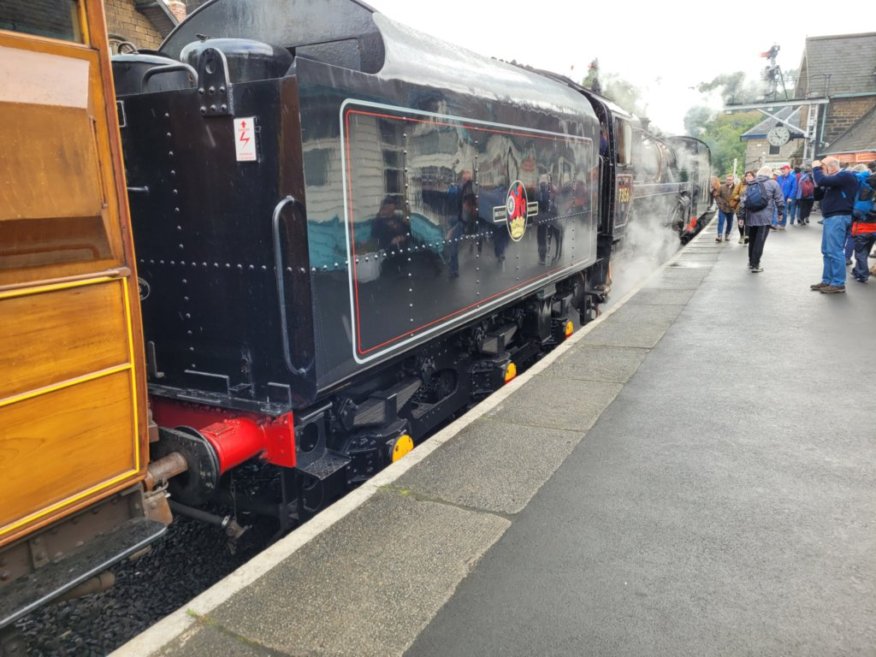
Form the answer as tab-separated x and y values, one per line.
664	48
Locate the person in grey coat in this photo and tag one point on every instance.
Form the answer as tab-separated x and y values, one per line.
758	221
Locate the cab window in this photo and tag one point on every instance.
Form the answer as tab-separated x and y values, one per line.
56	19
624	135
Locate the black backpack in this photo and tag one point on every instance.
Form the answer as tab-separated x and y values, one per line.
756	197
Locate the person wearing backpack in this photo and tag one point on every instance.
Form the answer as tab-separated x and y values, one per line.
763	197
805	196
840	187
864	223
747	179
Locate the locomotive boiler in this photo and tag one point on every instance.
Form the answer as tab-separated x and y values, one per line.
346	232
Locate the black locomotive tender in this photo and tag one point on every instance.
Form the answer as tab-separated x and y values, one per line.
347	231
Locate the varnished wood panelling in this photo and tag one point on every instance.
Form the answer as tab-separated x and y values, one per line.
51	337
49	166
56	447
60	166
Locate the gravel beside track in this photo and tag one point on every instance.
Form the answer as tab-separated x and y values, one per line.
190	558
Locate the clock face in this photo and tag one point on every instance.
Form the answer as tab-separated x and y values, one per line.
778	136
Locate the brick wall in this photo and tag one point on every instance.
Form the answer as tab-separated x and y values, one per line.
123	20
51	18
845	112
757	153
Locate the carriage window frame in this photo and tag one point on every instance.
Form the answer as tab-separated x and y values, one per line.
62	30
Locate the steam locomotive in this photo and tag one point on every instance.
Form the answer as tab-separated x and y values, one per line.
347	231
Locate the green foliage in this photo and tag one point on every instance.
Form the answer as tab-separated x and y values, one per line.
722	133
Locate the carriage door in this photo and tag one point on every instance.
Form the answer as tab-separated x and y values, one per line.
72	416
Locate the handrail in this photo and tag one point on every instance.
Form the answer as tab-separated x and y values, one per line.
281	285
170	68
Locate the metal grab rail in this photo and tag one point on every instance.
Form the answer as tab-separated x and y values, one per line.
169	68
281	284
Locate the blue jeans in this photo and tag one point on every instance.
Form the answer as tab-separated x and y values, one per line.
833	238
791	210
722	218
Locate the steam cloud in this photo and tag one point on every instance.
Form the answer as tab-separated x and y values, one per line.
648	244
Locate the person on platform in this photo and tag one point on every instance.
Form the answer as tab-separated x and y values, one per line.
788	182
805	195
747	179
727	198
864	223
759	221
861	173
840	187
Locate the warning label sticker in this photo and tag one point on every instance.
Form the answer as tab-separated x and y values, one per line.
245	139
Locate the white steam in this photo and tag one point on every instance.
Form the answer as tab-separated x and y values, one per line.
648	244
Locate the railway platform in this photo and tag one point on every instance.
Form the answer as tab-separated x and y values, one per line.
692	474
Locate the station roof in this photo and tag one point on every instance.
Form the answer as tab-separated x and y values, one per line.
838	65
861	137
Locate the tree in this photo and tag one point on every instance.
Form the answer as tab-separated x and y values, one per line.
722	133
735	88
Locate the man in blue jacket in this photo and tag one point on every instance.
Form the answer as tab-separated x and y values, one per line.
788	184
836	208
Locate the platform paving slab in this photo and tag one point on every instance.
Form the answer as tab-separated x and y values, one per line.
587	362
660	297
634	325
552	402
206	640
491	466
368	585
679	278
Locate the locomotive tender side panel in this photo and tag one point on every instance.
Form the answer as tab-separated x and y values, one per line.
270	316
452	237
205	243
407	227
